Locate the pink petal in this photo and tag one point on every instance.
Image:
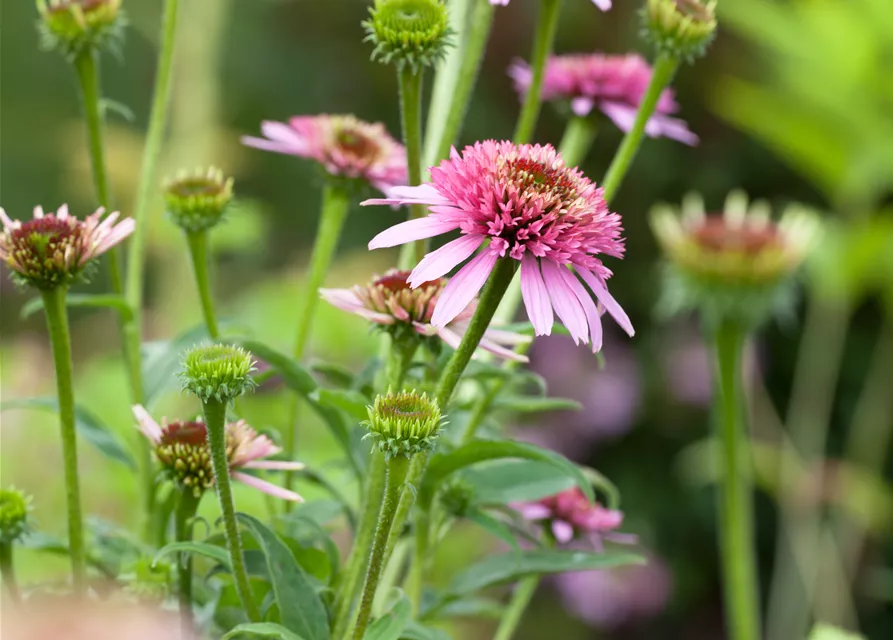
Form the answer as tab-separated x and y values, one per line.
346	300
147	425
669	127
601	291
463	288
274	465
565	302
449	336
267	145
267	487
412	230
502	352
593	317
582	106
440	262
62	212
116	235
621	114
563	531
535	295
532	510
501	336
604	5
7	221
421	194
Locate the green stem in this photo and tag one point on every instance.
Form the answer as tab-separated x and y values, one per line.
577	140
476	42
215	420
446	78
198	251
416	578
183	523
543	40
362	545
411	119
397	468
60	339
7	572
735	505
664	69
401	357
515	611
482	408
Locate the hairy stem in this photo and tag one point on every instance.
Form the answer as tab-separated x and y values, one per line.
183	527
198	252
411	120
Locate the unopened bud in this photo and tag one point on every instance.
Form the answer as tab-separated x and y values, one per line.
218	372
413	32
72	26
680	28
197	201
404	423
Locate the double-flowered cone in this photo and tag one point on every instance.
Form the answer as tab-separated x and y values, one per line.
517	202
612	84
182	449
345	146
389	301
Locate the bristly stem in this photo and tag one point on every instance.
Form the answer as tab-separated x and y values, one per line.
543	40
60	340
397	468
183	524
577	140
198	252
7	572
334	209
215	420
475	44
736	494
662	73
410	83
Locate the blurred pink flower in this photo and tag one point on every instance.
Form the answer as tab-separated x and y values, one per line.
389	301
614	84
182	448
52	249
570	515
346	146
519	202
604	5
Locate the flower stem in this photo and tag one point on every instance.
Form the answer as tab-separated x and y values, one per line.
735	505
515	611
7	571
87	66
410	84
60	340
543	40
397	468
480	410
577	140
334	209
183	523
475	43
664	69
198	251
215	419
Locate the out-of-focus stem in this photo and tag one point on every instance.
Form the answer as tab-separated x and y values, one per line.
184	516
543	40
411	118
7	573
198	252
577	140
515	611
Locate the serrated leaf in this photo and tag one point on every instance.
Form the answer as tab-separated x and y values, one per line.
505	481
300	608
353	403
92	300
201	548
529	404
90	427
261	630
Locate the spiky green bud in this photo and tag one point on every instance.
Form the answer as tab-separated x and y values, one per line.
680	28
413	32
15	507
197	201
457	497
218	372
404	423
73	26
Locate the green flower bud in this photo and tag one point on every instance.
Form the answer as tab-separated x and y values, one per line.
680	28
218	372
15	507
413	32
404	423
147	579
738	264
457	497
72	26
197	201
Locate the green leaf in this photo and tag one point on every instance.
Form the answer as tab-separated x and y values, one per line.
493	526
339	375
162	361
314	477
508	567
528	404
505	481
262	630
87	424
390	625
212	551
416	631
96	301
353	403
472	453
300	608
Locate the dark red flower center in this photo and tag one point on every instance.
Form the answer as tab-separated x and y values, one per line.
534	175
355	143
716	235
189	433
44	236
396	281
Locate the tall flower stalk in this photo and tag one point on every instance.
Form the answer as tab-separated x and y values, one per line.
183	521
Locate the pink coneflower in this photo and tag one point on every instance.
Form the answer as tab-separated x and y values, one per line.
346	146
518	202
604	5
570	515
53	249
389	301
182	448
615	85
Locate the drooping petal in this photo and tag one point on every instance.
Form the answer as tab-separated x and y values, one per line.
535	296
462	288
669	127
532	510
582	106
501	336
274	465
601	291
449	336
593	317
421	194
412	230
620	114
267	487
7	221
441	261
565	302
563	531
502	352
146	424
267	145
604	5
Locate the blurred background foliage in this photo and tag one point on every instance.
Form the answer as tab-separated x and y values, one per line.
793	103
